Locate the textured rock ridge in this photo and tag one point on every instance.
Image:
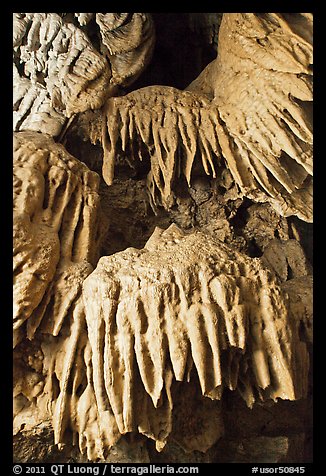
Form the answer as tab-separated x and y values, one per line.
183	303
263	89
170	126
56	236
58	72
60	62
250	109
166	317
127	40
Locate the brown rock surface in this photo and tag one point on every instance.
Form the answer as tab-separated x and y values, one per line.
263	449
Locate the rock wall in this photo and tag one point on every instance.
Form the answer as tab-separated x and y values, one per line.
162	237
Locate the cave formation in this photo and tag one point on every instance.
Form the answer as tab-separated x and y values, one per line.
162	237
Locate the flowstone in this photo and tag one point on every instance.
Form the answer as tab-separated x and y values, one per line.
162	238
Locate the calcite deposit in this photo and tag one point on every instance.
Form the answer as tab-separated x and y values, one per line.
162	238
56	235
63	74
250	109
56	226
183	302
60	71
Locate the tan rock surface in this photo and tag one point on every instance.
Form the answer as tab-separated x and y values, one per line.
288	261
60	60
55	221
183	302
56	236
196	344
58	72
250	109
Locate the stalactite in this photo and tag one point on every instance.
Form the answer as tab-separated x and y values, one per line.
56	236
109	348
258	122
187	302
173	126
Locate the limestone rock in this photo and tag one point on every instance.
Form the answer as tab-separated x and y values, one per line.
197	421
300	292
37	446
163	119
127	40
250	109
263	89
262	449
186	344
32	107
186	301
173	453
262	224
84	18
56	241
58	72
55	221
287	259
59	60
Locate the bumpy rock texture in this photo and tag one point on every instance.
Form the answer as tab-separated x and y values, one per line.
56	235
187	301
60	71
56	206
250	108
164	314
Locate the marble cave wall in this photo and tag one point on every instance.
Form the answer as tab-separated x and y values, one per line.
163	237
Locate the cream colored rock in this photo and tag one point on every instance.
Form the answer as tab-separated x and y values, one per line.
127	41
63	74
56	241
55	221
250	109
58	56
32	107
84	18
263	90
166	121
186	302
101	352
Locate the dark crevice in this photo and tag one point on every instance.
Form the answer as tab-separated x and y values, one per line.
290	274
55	387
